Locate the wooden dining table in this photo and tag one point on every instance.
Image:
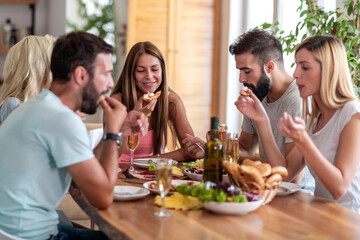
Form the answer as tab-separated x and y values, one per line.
296	216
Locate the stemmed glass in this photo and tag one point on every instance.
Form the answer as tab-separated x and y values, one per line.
232	151
163	182
132	142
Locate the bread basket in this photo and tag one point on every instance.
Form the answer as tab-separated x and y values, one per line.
268	192
256	177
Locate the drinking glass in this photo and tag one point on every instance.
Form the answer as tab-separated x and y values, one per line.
232	151
132	142
163	182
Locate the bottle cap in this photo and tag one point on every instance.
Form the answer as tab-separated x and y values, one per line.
214	123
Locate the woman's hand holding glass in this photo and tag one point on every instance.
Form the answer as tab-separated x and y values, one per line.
163	182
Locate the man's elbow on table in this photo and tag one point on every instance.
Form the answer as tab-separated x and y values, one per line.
101	201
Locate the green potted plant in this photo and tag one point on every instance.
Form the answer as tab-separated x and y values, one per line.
316	21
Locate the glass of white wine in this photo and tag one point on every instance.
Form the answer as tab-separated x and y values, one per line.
163	182
132	142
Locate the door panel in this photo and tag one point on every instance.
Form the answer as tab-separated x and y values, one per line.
186	32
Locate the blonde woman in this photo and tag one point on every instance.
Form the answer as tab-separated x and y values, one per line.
26	72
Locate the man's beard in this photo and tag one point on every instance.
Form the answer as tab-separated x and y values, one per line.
90	97
262	86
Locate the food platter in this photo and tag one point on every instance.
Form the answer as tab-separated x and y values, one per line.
174	183
231	208
123	193
144	163
287	188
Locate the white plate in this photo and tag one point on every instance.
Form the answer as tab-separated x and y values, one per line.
129	192
287	188
231	208
199	177
145	162
173	182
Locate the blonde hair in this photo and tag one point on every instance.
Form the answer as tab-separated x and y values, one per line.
27	68
336	86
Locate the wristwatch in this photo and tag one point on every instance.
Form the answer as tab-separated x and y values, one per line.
113	136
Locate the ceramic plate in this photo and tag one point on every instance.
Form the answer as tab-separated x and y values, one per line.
145	162
230	208
174	183
199	177
129	193
287	188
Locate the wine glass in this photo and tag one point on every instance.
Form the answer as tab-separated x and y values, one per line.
163	182
232	148
132	142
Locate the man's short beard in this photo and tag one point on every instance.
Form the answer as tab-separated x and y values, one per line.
89	98
262	87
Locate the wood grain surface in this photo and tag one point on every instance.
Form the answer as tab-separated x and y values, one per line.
297	216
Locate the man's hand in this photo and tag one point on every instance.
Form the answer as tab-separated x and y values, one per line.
135	122
294	129
114	114
145	107
251	107
193	147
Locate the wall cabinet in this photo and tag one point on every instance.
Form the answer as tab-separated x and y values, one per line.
187	33
32	4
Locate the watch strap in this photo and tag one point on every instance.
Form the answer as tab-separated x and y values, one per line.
113	136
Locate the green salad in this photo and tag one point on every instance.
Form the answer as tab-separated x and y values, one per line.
194	164
222	192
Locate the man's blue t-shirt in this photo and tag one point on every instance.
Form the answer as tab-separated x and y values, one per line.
37	142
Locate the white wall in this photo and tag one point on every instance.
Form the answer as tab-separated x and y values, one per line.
49	18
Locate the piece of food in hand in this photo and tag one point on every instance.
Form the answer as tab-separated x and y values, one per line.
245	92
280	170
151	96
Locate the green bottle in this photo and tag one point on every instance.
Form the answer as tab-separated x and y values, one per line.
213	155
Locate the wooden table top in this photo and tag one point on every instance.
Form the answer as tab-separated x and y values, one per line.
297	216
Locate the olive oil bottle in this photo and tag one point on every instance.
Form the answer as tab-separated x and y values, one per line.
213	155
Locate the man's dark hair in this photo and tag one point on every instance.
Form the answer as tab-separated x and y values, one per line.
73	50
261	44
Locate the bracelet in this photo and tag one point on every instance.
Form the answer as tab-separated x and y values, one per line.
117	137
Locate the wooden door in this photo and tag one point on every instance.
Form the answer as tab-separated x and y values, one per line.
187	33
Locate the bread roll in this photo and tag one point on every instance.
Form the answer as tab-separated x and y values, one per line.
264	169
273	179
280	170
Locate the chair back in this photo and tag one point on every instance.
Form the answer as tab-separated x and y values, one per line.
7	236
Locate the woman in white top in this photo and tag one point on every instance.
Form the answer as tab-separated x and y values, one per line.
329	144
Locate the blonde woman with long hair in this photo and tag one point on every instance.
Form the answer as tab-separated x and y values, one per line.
26	72
144	71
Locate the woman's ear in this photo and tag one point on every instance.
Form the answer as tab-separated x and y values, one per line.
81	76
269	67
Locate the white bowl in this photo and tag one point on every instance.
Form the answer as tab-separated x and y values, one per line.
199	177
232	208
